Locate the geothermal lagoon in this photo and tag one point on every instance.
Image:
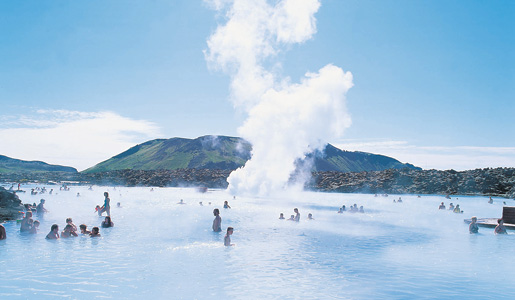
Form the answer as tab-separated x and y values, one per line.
161	250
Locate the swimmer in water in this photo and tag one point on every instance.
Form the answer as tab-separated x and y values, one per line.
500	229
310	216
35	227
491	201
457	209
226	204
84	229
181	202
3	235
107	205
107	222
54	232
297	214
343	208
217	222
281	216
200	203
361	210
340	211
26	223
68	231
95	232
227	238
69	221
292	218
40	208
473	228
442	206
451	206
119	205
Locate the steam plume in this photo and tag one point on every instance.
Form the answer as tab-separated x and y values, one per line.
285	121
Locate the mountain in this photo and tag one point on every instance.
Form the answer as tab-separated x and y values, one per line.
334	159
230	153
11	165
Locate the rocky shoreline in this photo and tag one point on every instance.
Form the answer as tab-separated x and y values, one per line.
10	205
498	182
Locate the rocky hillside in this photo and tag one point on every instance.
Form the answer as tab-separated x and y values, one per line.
10	205
230	153
10	165
493	182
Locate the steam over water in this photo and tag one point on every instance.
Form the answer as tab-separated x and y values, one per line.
285	120
161	250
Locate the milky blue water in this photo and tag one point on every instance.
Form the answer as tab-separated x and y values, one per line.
161	250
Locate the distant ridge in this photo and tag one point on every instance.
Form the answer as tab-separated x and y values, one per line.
12	165
230	153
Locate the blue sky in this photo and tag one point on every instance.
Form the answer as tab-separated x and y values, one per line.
434	81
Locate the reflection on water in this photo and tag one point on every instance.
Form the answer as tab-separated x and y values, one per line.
163	250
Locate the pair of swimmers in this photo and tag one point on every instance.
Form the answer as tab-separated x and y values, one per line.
217	227
499	229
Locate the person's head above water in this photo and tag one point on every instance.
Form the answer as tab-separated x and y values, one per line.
54	227
42	200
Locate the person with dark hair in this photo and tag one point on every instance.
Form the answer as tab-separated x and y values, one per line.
473	228
35	226
107	222
68	231
281	216
226	204
297	214
3	235
107	206
26	223
95	232
54	232
84	229
40	208
227	239
500	229
217	222
69	221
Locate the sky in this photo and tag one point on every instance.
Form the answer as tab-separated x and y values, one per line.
81	81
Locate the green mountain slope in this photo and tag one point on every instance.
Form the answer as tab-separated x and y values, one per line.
11	165
230	153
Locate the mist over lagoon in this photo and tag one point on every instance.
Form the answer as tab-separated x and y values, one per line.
163	250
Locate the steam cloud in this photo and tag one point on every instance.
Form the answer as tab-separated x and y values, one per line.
285	120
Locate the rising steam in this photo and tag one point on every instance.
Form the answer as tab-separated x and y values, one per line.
285	121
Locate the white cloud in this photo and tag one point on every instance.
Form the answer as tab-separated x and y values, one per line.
437	157
72	138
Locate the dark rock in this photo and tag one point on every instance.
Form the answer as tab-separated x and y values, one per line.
10	205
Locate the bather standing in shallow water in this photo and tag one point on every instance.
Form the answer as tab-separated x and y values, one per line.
227	239
217	222
297	214
500	229
107	205
473	228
